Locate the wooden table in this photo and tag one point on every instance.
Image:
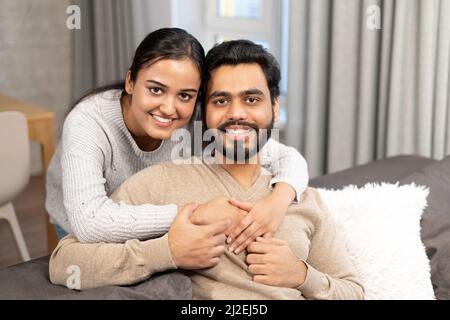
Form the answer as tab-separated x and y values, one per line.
40	129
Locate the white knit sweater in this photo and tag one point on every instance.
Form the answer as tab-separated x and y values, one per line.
97	153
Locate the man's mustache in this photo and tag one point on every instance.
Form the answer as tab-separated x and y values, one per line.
223	126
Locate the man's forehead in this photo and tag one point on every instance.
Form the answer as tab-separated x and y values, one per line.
235	79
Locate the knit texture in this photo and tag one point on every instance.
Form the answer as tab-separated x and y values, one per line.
307	228
97	153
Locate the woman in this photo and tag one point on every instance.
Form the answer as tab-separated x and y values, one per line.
117	131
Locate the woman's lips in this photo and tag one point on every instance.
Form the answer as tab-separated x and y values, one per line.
162	121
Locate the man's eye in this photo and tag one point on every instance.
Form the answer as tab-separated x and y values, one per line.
155	90
185	97
221	102
251	100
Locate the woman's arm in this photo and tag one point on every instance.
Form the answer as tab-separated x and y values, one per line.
93	216
285	164
290	178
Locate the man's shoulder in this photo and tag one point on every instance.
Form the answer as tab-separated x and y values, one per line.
310	205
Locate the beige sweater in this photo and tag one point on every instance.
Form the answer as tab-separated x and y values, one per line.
307	227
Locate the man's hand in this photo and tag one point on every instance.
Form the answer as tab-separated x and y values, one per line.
263	219
273	263
216	210
193	246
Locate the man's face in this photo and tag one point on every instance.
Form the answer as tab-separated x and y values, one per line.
238	105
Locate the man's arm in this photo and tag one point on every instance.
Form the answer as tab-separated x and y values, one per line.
186	246
101	264
331	273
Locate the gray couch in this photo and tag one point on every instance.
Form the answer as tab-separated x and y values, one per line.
30	280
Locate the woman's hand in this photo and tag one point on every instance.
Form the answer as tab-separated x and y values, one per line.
263	218
193	246
272	262
216	210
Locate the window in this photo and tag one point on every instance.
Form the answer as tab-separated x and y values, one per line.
262	21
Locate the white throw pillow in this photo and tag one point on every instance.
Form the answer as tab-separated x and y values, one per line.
380	225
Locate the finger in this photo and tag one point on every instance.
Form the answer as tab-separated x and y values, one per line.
247	206
258	247
268	235
272	241
218	227
187	210
213	262
255	259
218	239
243	224
217	251
247	237
263	279
257	269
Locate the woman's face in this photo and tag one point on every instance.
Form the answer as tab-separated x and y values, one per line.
162	98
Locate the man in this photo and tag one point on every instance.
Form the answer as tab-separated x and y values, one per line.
304	260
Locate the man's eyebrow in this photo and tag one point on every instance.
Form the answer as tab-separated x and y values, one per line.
252	91
164	86
217	94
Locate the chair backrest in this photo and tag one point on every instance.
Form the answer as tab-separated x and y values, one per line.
14	155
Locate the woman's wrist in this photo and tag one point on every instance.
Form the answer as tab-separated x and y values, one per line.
283	193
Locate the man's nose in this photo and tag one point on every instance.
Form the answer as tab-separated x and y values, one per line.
168	107
237	111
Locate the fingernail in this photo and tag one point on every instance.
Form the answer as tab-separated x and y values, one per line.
231	249
229	240
236	251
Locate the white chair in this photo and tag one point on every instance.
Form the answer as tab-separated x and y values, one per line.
14	170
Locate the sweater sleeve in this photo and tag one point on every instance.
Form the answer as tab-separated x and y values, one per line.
93	216
90	265
285	164
331	274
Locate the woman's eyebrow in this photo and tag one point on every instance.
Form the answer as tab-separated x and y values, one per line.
164	86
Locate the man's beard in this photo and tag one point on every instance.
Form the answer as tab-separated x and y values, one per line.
236	150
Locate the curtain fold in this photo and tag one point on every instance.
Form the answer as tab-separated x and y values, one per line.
103	48
355	94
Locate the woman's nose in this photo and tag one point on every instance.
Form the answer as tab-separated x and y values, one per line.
168	107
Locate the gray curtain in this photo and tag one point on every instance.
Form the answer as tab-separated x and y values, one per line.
356	94
103	48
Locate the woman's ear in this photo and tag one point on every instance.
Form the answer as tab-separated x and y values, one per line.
129	83
276	110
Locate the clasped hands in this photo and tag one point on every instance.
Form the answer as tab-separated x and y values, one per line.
200	234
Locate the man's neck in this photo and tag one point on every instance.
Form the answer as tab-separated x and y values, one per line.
245	174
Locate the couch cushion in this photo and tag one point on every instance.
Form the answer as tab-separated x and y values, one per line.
386	170
436	222
30	281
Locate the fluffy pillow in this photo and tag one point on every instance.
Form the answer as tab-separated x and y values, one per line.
380	225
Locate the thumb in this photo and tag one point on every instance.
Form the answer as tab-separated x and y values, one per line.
187	210
247	206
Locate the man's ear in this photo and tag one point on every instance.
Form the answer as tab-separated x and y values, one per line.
276	110
129	83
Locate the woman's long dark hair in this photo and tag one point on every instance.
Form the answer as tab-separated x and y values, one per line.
166	43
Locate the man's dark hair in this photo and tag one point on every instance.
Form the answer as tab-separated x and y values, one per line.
244	51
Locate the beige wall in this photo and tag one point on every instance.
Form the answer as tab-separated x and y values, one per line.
35	57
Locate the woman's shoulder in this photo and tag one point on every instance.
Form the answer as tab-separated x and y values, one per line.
96	103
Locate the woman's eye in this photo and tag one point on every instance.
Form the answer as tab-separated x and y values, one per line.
185	96
155	90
